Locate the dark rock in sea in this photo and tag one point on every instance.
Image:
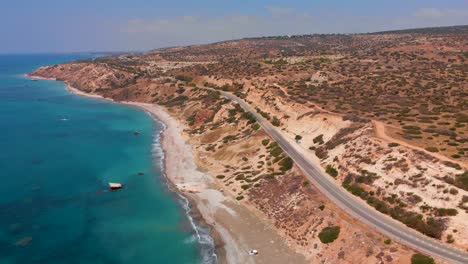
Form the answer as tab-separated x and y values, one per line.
136	133
141	174
36	161
15	228
23	242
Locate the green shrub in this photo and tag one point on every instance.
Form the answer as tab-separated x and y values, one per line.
286	164
432	149
461	180
240	197
256	126
321	207
276	151
387	241
393	144
276	122
450	239
355	189
220	177
249	116
421	259
446	212
329	234
245	186
331	171
265	142
184	78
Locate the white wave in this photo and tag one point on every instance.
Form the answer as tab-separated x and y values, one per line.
201	234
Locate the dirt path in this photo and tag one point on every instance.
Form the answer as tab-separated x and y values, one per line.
380	127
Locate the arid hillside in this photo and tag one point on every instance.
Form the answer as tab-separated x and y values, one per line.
386	114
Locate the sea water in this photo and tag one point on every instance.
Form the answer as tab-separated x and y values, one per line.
58	152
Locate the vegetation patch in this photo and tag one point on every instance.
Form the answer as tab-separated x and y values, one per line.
331	171
421	259
461	180
318	139
432	149
286	164
329	234
446	212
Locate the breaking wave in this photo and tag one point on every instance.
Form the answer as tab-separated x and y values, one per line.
201	233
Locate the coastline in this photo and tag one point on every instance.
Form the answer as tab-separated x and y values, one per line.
193	214
234	228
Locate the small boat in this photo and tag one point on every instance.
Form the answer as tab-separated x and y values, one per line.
115	186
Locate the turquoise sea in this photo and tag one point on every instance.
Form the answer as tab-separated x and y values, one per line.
58	152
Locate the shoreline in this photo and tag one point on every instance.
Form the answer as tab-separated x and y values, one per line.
234	228
190	206
195	217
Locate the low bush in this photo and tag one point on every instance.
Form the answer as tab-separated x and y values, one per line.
318	139
276	122
245	186
331	171
421	259
321	153
256	126
184	78
329	234
446	212
432	149
286	164
461	180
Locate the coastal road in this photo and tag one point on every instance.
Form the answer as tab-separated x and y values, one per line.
351	204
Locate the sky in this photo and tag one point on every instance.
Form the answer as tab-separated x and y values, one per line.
61	26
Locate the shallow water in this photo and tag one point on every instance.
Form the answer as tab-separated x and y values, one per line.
58	152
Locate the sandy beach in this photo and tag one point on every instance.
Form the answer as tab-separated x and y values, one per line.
235	228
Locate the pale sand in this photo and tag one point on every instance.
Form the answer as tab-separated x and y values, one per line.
236	228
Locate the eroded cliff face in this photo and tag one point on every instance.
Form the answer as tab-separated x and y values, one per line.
88	77
244	163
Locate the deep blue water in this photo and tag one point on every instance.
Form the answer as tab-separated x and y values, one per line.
58	151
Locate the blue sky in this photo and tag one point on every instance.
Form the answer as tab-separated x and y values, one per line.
29	26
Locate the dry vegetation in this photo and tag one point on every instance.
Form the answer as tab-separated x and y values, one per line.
328	92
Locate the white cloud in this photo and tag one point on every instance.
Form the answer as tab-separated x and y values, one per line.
432	17
438	13
279	11
185	30
144	34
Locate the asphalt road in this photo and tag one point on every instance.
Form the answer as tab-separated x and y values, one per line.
353	205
